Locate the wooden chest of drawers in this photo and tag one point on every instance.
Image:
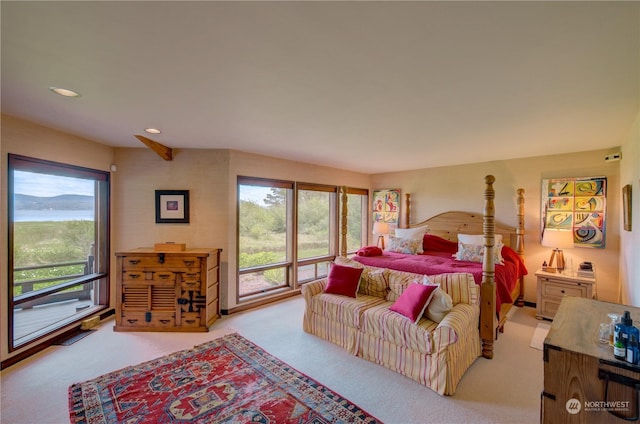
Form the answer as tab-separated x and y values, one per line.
583	381
167	291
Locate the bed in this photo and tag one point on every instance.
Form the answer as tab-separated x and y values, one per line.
502	285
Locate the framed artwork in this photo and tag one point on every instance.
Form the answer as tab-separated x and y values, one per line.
386	207
626	206
172	206
577	204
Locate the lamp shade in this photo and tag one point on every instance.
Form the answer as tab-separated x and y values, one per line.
380	228
558	239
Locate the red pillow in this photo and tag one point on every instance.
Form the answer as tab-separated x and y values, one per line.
431	243
414	300
343	280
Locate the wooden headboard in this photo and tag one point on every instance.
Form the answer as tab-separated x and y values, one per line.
449	224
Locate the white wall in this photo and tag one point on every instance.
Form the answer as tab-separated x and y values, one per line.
630	240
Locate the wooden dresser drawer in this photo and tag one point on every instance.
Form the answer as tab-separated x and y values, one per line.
149	319
158	262
559	289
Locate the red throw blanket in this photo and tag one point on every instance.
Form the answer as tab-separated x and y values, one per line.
369	251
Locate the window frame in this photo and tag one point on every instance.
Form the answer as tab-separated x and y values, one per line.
101	252
293	263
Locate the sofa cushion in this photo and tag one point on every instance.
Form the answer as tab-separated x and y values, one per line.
399	281
459	285
343	280
342	309
374	281
381	322
413	302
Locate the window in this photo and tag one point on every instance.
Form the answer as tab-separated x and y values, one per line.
316	230
58	246
357	213
264	232
288	232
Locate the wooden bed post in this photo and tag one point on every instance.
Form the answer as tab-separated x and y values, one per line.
407	210
520	242
488	321
343	227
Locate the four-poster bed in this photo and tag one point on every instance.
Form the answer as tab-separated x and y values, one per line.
501	285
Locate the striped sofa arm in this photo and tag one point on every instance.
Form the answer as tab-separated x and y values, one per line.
462	319
313	288
308	291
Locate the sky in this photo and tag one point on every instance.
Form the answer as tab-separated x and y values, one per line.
255	194
44	185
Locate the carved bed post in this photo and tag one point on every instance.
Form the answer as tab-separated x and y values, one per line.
407	210
520	242
343	228
488	319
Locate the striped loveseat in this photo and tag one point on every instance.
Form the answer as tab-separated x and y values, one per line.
431	353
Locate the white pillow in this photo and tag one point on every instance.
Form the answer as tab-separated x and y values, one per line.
477	238
411	233
441	303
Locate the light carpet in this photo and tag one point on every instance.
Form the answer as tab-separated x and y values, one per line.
539	334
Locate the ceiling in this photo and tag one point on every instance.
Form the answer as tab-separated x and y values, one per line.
367	86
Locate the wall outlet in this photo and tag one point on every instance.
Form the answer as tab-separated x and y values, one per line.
613	157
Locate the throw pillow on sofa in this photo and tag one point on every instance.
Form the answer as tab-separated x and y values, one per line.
343	280
413	301
440	305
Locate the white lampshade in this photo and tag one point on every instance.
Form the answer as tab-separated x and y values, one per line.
558	239
380	228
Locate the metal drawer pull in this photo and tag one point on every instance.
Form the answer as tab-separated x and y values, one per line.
190	321
165	321
132	321
134	261
620	379
134	276
164	276
189	263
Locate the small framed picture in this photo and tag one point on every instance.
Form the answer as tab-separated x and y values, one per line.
172	206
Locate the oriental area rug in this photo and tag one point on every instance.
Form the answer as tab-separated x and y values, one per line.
227	380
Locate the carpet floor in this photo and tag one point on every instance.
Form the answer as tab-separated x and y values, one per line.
505	389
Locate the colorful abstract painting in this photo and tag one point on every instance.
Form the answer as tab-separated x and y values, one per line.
578	204
386	207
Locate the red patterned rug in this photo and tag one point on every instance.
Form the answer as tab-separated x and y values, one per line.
227	380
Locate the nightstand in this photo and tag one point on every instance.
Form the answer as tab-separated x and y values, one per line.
552	287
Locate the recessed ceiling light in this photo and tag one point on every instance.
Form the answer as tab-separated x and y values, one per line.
64	92
153	130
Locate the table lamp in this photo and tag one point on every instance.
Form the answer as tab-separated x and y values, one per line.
380	229
558	239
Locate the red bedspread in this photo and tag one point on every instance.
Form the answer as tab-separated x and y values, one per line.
439	262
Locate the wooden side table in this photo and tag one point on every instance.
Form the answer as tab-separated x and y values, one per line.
552	287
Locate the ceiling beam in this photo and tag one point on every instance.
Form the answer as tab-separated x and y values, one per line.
163	151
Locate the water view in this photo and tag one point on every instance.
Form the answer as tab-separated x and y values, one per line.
52	215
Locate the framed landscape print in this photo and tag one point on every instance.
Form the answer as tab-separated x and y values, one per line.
576	204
